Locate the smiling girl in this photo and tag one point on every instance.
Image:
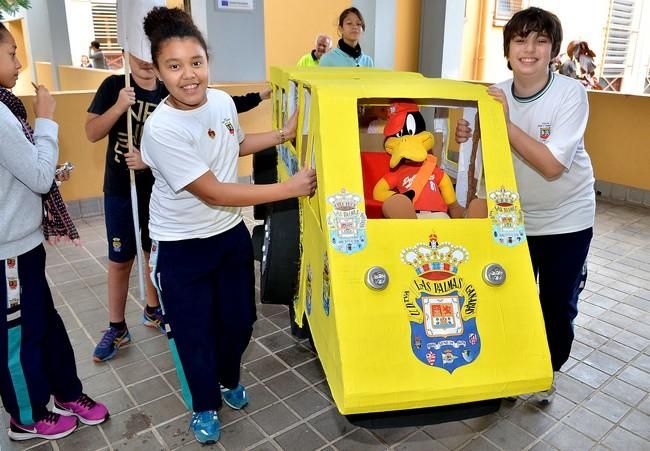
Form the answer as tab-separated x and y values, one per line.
348	53
202	258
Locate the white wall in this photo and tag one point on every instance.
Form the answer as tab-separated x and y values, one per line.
235	42
47	31
80	27
583	20
378	40
40	34
441	38
586	20
639	56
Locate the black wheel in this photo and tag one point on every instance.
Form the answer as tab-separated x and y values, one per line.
258	241
280	260
265	171
425	416
296	330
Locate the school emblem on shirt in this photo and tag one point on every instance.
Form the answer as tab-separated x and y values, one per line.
346	223
211	133
440	305
228	124
506	217
544	131
11	263
12	283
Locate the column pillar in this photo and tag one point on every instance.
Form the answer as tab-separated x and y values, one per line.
47	31
441	38
378	40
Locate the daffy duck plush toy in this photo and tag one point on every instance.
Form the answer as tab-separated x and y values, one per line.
414	187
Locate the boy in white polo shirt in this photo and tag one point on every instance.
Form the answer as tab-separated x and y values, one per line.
546	117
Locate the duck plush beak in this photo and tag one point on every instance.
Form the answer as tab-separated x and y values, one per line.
410	147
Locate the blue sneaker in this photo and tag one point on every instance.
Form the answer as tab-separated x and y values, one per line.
112	340
205	426
235	397
154	319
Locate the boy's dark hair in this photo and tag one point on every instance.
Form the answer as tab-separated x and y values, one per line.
162	23
530	20
352	10
3	32
95	45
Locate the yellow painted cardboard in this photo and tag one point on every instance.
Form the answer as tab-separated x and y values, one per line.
420	342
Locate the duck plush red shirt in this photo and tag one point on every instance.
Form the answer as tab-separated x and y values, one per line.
415	186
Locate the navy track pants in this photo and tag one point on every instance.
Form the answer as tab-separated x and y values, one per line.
207	291
35	351
558	262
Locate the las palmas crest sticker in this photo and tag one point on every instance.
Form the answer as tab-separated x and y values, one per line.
506	217
346	223
441	306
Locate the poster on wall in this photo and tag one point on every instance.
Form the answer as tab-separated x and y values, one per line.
239	5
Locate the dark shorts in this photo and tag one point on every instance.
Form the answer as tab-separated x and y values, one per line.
119	226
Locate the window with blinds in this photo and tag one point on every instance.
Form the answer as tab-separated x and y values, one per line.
617	43
105	25
504	9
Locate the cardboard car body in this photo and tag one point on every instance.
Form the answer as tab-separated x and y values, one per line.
440	332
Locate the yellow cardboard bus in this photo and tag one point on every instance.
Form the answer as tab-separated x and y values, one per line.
403	313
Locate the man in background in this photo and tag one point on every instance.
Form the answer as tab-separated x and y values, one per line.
323	44
97	56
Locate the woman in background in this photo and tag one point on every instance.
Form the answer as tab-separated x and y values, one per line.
349	53
85	61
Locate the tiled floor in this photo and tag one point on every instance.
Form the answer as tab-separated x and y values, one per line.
603	397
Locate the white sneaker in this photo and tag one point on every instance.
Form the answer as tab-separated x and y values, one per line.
544	398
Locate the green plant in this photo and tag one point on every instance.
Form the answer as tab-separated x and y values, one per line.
12	6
